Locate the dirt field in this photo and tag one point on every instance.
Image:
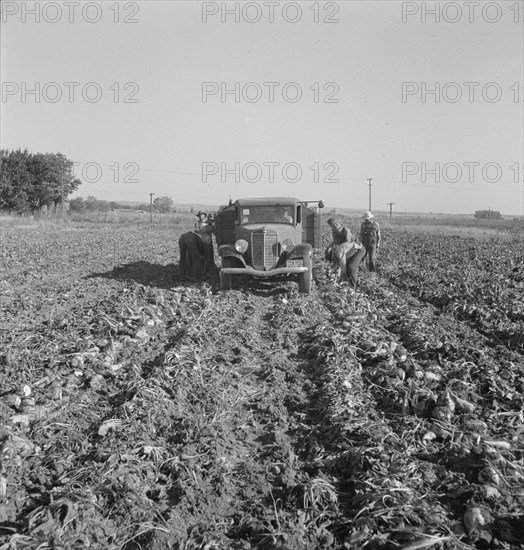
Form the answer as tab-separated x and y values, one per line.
138	413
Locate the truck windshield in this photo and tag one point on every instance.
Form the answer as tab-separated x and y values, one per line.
267	214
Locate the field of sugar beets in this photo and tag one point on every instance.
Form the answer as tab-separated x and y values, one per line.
140	413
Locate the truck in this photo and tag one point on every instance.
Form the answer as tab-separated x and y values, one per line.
267	237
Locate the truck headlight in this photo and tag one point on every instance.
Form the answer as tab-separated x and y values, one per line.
241	246
287	244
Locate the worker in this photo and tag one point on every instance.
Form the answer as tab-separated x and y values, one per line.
370	238
341	233
346	258
204	228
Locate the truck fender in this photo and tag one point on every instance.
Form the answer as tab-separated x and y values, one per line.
300	251
228	251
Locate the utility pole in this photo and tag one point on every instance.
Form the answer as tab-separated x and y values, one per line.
390	209
62	191
70	177
151	206
369	185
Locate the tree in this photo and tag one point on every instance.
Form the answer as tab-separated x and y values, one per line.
65	180
46	181
77	204
163	204
16	181
91	203
487	214
30	182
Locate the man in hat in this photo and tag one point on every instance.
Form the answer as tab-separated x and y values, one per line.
202	220
341	233
370	238
204	228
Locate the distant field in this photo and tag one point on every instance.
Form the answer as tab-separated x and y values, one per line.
398	220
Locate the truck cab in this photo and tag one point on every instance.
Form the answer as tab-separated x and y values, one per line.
265	237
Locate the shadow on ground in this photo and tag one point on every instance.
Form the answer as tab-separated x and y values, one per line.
145	273
168	276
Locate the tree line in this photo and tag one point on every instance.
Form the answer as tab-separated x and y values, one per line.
31	182
92	204
162	204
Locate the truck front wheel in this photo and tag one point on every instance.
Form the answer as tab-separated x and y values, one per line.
226	280
304	279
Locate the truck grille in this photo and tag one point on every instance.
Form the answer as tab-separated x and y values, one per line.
264	248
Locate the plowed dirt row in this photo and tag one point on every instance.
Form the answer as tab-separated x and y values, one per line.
479	280
443	385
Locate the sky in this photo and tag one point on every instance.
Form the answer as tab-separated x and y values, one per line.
203	101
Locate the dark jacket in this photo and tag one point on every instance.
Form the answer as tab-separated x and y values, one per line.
342	236
370	233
